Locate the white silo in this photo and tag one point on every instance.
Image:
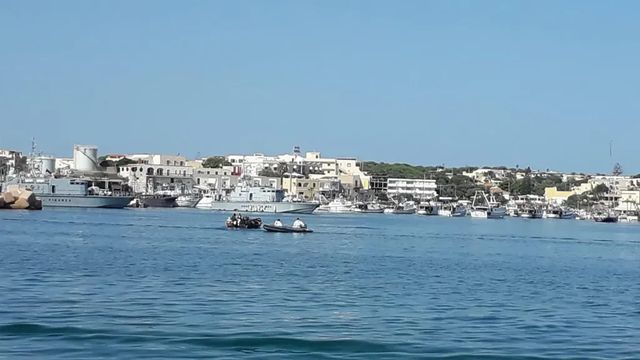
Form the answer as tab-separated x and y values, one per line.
47	164
85	158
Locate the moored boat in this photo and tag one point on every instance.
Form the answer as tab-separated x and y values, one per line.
428	208
188	200
157	201
405	208
452	210
485	207
558	213
263	199
74	191
337	206
605	217
367	208
530	212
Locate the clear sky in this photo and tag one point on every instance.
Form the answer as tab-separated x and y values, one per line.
546	84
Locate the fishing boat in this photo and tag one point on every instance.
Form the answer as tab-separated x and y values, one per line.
530	212
155	201
407	207
558	213
605	217
486	207
452	210
428	208
337	206
628	216
285	229
367	208
188	200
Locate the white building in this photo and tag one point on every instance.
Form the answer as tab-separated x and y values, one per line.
312	165
615	183
422	189
629	200
252	165
8	160
151	173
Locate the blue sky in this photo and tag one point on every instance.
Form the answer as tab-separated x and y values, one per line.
546	84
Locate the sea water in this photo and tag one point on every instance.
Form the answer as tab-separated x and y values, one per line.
174	283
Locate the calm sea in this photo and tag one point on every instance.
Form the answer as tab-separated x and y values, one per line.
175	284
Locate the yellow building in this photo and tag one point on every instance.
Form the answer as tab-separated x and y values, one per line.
552	194
301	188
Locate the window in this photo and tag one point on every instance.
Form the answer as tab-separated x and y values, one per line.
168	162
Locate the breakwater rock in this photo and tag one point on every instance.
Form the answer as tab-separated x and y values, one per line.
20	200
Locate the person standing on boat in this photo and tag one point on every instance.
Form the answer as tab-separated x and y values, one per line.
299	224
278	223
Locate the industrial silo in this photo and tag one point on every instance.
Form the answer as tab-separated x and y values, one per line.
85	158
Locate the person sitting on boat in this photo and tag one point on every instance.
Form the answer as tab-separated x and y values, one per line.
278	223
299	224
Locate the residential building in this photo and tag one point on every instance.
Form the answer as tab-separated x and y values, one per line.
301	188
420	189
629	200
378	184
615	183
153	173
8	161
555	196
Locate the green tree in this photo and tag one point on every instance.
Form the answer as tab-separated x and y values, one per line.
581	201
215	162
600	189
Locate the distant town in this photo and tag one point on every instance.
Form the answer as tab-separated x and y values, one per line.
310	177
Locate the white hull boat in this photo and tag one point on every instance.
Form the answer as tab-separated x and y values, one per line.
483	207
558	213
336	206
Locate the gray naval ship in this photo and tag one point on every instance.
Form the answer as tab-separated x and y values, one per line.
86	185
73	192
262	199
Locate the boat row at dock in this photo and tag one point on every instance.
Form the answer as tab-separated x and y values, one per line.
108	192
482	206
